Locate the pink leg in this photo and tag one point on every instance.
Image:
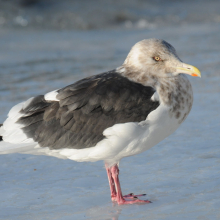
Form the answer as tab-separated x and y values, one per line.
113	190
119	198
111	184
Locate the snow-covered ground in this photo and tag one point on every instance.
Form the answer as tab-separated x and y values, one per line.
181	175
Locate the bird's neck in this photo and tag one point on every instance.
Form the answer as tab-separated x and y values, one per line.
177	94
173	89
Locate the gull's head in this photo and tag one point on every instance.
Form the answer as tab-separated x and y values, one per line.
157	58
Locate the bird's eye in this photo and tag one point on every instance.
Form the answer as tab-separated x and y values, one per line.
157	58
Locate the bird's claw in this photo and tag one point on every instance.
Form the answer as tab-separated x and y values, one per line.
132	199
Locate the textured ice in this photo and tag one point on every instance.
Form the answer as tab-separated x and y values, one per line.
180	175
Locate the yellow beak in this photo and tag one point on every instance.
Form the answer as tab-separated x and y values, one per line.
189	69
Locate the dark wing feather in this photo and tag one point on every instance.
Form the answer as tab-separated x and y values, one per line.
86	108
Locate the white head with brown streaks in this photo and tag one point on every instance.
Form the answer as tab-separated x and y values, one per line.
155	58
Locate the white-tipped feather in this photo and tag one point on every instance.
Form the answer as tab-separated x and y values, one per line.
26	103
10	124
155	97
11	130
15	136
51	96
14	113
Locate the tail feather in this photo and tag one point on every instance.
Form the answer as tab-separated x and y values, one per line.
12	130
21	124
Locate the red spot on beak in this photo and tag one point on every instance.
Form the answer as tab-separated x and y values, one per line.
194	74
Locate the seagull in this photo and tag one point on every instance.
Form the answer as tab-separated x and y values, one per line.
108	116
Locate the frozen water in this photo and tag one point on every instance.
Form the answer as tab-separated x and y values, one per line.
180	175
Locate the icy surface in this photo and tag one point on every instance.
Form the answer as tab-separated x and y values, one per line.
181	175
